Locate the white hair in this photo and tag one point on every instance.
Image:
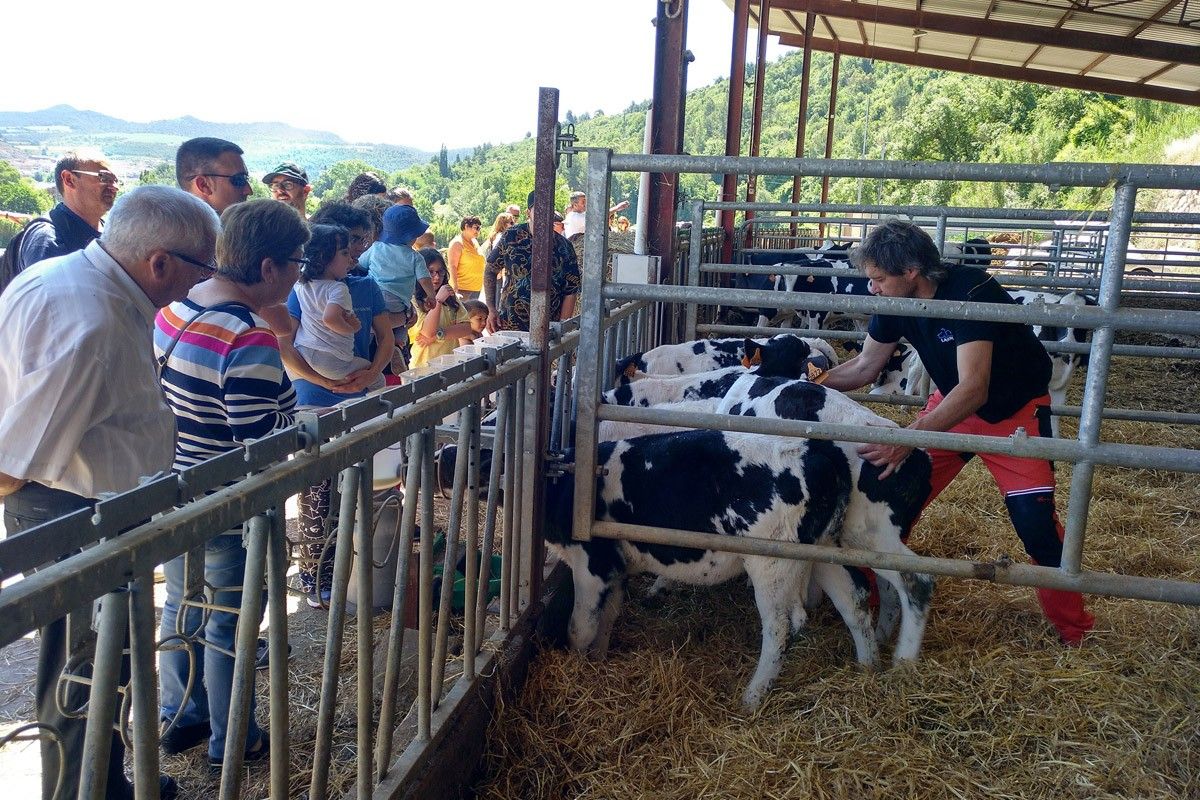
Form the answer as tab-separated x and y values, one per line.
160	217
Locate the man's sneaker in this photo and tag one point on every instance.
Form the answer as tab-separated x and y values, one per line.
182	738
262	655
319	601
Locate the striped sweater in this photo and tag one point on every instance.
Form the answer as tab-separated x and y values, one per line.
224	380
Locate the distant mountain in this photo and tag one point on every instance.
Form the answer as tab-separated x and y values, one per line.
50	121
41	135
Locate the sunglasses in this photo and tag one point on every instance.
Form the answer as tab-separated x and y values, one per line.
238	180
104	176
207	269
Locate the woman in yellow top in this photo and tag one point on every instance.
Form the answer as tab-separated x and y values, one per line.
449	323
466	262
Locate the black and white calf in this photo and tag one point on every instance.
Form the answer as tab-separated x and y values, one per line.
705	355
712	482
785	355
1062	364
833	256
880	513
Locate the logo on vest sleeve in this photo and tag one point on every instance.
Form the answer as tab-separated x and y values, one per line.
945	336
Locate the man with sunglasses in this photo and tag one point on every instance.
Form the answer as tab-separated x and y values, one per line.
213	170
289	184
88	188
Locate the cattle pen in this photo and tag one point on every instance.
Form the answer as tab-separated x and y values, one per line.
399	700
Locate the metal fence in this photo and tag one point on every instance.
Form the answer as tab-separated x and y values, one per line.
1087	451
117	547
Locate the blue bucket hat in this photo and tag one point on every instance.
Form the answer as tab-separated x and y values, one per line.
401	225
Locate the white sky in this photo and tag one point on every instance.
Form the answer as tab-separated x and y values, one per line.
458	72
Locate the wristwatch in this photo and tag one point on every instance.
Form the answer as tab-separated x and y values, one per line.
440	335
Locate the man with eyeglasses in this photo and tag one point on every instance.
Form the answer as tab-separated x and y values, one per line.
213	170
88	188
82	413
289	184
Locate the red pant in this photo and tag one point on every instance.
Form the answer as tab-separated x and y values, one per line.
1028	488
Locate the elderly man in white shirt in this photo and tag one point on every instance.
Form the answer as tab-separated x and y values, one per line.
81	408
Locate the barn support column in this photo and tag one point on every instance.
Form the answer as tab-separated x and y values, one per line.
733	119
760	80
833	90
666	134
810	21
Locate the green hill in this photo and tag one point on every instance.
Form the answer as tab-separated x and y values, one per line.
884	111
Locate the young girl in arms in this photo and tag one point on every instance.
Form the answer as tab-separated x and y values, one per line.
327	321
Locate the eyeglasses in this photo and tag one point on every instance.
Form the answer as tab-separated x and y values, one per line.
104	176
238	180
360	241
440	273
284	186
303	262
207	269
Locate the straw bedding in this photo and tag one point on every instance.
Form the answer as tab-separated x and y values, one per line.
995	708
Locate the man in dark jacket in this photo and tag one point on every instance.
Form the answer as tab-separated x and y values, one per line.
88	188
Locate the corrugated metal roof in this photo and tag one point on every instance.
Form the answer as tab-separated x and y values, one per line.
1143	48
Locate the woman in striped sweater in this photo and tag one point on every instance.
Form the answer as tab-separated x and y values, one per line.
224	380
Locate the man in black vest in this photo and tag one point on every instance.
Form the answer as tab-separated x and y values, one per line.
992	378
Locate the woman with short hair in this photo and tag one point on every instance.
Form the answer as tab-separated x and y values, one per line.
223	378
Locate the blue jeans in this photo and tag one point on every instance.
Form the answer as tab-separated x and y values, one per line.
224	566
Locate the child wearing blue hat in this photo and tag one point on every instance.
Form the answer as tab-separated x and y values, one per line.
395	266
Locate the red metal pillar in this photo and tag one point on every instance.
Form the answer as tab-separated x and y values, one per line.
733	120
810	22
666	128
760	80
833	89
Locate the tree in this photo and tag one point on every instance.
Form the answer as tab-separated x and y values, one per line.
19	194
444	162
160	175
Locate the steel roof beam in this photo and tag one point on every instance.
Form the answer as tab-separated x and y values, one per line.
1012	73
994	29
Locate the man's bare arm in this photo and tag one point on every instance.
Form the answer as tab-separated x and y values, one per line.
9	484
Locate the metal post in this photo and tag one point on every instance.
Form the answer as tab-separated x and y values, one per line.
560	396
760	85
144	685
588	365
343	552
693	268
1111	275
425	590
940	234
833	91
466	424
471	575
400	609
666	137
733	118
520	507
364	532
246	643
277	642
102	701
499	439
810	22
511	504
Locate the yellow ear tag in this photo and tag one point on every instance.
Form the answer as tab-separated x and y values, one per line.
630	370
816	374
812	278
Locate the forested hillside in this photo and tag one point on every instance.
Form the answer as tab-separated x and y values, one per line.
884	111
